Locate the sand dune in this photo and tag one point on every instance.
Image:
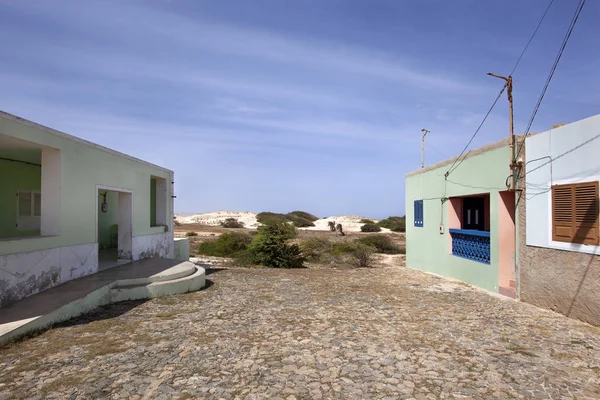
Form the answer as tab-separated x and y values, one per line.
350	223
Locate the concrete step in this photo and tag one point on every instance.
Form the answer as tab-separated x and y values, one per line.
180	284
85	294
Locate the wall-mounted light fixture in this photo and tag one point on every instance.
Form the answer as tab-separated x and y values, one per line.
104	203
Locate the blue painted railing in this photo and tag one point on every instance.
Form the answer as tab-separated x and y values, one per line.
473	245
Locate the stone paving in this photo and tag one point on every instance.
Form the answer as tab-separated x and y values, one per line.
384	333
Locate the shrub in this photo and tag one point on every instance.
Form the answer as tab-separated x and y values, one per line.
231	223
370	228
269	218
314	249
229	244
268	247
304	215
295	217
362	256
367	221
382	244
189	234
337	249
300	222
396	224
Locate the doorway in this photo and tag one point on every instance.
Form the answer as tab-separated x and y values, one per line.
113	227
474	213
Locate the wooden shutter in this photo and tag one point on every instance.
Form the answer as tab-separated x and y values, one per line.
562	212
586	213
575	213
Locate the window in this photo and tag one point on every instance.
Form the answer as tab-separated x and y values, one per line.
419	213
575	213
158	201
29	206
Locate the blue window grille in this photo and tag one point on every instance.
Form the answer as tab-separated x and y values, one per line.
472	245
419	213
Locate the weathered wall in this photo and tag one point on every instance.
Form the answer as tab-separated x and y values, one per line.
558	276
24	274
15	176
159	245
484	171
182	249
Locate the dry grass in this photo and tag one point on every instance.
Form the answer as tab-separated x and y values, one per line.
70	381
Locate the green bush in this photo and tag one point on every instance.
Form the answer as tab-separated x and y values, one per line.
314	249
300	222
231	223
367	221
337	249
304	215
295	217
269	218
382	244
362	256
229	244
189	234
268	247
370	228
396	224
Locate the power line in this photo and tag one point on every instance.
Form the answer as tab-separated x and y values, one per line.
433	148
450	170
532	36
551	74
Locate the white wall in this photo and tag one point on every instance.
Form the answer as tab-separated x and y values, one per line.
568	154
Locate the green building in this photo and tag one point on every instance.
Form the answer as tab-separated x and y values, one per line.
70	208
462	224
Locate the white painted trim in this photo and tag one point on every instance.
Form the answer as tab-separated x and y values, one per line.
63	135
112	189
575	247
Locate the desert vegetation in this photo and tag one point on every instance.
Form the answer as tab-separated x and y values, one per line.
370	227
299	219
267	247
232	223
358	252
277	242
395	224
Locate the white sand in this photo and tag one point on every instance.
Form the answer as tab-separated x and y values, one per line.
215	218
350	223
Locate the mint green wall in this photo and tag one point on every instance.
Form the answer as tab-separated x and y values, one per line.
15	176
108	219
426	248
83	167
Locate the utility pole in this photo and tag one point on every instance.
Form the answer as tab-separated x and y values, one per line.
424	132
512	133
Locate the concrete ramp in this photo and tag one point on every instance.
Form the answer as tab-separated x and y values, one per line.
135	281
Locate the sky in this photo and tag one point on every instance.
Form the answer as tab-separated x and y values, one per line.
270	105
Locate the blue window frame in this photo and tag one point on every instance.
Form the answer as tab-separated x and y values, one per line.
419	213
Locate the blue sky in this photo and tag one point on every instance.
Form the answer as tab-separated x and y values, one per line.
278	105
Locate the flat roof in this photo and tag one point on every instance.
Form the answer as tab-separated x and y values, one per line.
471	153
64	135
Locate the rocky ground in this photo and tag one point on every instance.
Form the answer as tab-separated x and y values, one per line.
383	333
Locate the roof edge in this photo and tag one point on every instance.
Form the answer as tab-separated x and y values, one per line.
73	138
471	153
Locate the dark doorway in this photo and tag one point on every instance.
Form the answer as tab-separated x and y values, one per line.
473	213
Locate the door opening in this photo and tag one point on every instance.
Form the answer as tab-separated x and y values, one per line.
114	222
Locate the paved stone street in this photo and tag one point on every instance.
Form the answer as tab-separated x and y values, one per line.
383	333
